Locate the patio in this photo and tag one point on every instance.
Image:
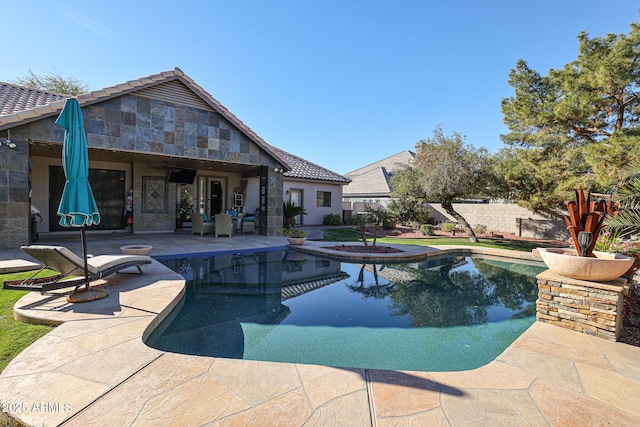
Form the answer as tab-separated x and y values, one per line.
94	368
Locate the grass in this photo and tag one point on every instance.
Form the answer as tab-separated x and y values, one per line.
353	235
15	336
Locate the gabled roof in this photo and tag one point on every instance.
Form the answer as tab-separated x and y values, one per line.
42	104
303	169
373	180
21	105
390	164
371	183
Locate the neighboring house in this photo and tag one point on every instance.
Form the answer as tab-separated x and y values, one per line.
151	135
369	187
370	184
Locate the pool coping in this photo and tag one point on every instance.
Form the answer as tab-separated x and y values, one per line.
80	366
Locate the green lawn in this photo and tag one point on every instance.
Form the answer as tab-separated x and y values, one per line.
353	235
14	336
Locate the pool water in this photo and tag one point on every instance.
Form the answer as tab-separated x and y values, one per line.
443	314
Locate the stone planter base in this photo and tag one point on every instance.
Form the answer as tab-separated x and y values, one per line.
588	307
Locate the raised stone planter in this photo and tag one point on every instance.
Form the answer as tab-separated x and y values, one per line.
588	307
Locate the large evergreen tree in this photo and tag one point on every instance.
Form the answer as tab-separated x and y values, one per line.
575	126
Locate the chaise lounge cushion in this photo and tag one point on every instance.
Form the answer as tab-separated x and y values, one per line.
68	264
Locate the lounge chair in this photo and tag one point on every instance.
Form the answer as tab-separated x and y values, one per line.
71	268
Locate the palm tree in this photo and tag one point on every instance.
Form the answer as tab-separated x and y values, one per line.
290	211
627	220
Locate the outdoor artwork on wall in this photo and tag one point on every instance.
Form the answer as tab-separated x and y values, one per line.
154	194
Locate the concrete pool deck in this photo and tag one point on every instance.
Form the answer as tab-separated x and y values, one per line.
94	369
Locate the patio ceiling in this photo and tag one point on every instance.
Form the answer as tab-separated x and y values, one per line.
54	150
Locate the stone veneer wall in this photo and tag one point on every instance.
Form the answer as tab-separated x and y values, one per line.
588	307
14	192
134	124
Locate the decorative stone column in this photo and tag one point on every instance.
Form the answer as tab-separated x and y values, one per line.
588	307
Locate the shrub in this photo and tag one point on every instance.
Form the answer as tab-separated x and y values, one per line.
480	228
388	224
427	230
448	226
408	210
332	219
355	220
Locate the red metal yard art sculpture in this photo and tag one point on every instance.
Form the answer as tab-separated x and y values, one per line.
586	216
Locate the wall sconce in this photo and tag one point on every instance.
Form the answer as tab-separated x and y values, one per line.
277	170
8	141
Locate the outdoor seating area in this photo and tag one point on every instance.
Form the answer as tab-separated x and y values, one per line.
223	224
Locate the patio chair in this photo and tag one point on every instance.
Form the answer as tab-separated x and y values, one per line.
71	268
201	224
223	225
249	223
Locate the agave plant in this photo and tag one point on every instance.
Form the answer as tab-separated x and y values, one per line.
586	216
627	221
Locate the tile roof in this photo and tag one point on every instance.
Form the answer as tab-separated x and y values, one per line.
21	105
373	180
373	183
304	169
391	163
14	98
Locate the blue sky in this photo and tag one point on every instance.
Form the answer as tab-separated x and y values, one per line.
342	83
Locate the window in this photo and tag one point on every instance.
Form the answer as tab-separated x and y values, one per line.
324	199
108	189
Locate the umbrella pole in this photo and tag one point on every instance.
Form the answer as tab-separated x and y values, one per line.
84	256
87	294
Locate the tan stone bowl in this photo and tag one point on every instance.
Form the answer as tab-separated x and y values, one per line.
605	267
136	249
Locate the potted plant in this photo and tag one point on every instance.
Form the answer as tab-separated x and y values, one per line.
295	236
585	222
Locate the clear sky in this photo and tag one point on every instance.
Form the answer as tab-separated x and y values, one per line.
342	83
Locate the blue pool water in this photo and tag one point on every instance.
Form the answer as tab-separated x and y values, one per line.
444	314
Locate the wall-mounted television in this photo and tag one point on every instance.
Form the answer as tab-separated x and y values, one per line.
182	176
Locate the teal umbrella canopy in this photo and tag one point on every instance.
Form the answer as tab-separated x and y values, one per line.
77	206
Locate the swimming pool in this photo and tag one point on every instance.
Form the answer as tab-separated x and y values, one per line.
441	314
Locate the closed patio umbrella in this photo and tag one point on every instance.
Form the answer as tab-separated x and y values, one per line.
77	206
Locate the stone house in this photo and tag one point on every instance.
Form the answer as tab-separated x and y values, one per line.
150	136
